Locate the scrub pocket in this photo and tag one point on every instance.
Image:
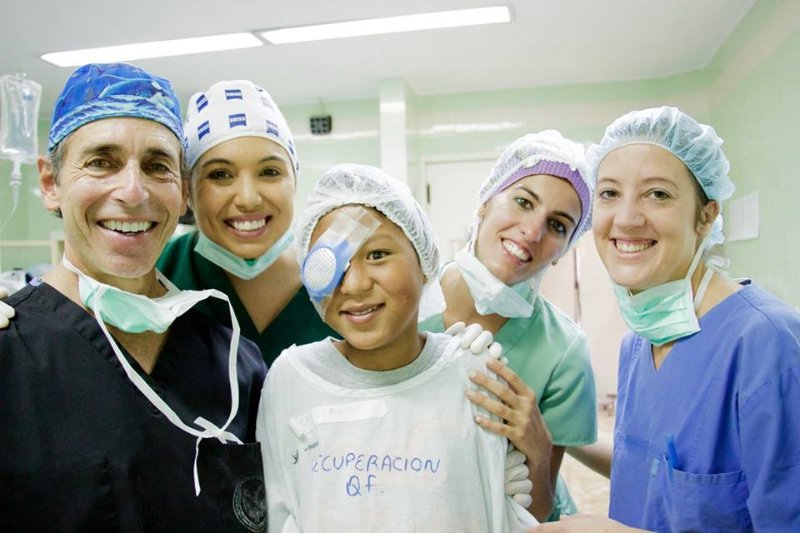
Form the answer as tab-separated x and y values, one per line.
232	475
79	493
683	501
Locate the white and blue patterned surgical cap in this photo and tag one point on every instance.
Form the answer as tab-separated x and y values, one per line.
231	109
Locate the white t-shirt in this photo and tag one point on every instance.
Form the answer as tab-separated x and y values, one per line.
391	451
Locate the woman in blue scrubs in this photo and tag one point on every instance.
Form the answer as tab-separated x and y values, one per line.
707	434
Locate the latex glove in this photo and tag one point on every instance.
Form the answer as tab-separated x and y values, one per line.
517	484
476	339
6	311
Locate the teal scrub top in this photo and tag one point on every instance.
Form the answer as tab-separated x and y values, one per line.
298	323
551	354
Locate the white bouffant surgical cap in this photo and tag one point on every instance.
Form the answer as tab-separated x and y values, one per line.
697	145
371	187
546	152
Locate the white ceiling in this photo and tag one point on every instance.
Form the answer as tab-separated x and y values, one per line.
548	42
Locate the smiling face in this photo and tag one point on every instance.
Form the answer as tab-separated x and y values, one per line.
376	304
647	223
119	191
527	226
243	194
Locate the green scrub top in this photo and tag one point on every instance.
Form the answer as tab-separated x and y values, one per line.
550	353
298	323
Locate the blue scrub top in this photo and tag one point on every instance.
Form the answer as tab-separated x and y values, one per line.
729	397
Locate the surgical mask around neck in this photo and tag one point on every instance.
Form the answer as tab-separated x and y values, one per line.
136	313
492	296
666	312
329	258
241	268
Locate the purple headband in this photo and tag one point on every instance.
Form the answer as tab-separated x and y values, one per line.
561	170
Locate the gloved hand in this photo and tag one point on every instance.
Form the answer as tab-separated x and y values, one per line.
6	311
476	339
518	486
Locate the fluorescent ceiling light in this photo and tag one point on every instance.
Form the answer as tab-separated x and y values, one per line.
176	47
422	21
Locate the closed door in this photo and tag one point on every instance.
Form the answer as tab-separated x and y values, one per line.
451	197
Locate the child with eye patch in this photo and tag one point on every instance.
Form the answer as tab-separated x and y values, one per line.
373	432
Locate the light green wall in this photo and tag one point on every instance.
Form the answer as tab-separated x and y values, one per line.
749	92
759	118
354	138
459	124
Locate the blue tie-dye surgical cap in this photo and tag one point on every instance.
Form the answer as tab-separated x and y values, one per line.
97	91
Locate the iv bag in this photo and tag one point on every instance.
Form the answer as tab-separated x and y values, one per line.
19	115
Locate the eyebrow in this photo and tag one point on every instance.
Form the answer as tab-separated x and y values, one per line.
660	179
100	149
160	152
377	236
222	160
109	148
538	200
646	182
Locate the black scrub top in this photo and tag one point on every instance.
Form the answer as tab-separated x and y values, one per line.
82	448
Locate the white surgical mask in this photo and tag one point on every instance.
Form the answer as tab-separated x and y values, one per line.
492	295
241	268
135	313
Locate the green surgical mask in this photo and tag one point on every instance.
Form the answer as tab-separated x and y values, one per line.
666	312
241	268
135	313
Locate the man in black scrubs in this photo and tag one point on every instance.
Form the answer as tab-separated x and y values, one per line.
121	408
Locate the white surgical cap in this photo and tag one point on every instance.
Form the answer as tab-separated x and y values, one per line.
546	152
231	109
697	145
369	186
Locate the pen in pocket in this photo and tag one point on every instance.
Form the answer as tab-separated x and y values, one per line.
672	454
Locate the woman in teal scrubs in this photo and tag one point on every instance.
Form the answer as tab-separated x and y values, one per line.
534	205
